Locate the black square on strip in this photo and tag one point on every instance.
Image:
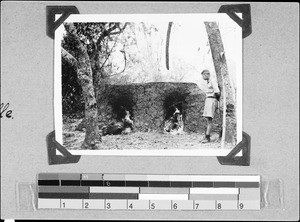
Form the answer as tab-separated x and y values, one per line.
159	183
224	184
114	183
98	183
64	195
70	182
203	184
48	182
136	183
181	184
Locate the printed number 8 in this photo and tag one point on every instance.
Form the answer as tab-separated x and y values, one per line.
219	206
241	205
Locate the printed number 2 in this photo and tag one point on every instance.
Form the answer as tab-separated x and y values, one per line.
86	205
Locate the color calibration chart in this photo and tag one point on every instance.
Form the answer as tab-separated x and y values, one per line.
148	192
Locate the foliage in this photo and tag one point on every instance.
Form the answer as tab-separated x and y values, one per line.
72	99
100	41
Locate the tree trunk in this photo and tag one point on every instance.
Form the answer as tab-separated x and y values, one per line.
218	55
85	77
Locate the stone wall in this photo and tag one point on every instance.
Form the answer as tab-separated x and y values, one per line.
151	104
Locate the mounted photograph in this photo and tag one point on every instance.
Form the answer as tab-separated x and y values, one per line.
148	84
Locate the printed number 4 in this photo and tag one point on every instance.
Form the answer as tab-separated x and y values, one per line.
130	206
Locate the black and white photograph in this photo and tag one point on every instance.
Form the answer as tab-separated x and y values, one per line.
148	84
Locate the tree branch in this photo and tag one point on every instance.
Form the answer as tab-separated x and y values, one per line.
108	55
68	57
109	32
125	63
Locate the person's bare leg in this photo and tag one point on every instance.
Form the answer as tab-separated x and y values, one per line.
209	126
208	130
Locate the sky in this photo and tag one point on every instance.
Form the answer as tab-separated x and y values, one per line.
189	51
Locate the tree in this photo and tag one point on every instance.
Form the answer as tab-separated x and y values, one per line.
87	47
228	97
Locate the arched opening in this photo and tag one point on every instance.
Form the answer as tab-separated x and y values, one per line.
121	103
174	110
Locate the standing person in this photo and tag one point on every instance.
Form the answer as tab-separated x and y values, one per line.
211	102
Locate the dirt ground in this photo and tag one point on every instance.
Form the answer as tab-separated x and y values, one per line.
140	140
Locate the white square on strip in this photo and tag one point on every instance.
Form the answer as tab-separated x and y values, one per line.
138	205
44	203
71	204
93	204
115	204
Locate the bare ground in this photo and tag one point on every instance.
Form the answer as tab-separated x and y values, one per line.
140	140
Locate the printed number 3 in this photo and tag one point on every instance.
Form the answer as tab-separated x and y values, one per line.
108	206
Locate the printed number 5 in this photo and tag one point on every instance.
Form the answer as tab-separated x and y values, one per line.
152	206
